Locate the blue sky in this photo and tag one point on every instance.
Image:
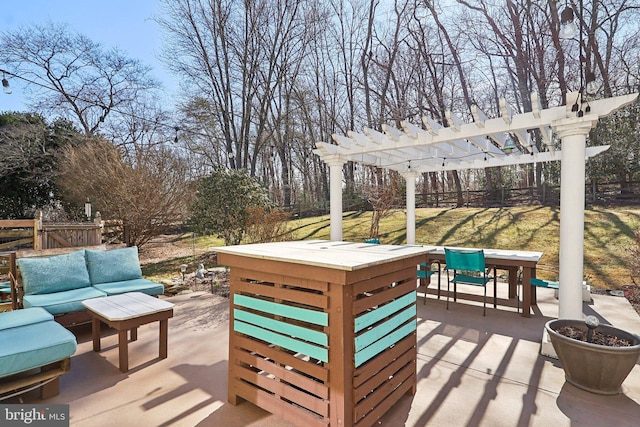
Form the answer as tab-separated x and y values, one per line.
126	24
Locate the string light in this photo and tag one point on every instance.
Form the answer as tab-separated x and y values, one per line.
5	84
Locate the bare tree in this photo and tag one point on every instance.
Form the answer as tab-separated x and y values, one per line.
383	196
149	193
69	75
235	55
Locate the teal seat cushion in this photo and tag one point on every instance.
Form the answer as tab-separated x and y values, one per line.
62	302
54	274
116	265
28	316
31	346
137	285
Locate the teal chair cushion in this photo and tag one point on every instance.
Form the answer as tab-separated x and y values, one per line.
28	316
34	345
64	301
116	265
54	274
136	285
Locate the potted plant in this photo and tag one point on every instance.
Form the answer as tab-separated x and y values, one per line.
595	358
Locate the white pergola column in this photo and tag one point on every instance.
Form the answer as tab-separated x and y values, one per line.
573	132
410	179
335	196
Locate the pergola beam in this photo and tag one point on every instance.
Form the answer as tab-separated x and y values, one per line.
401	151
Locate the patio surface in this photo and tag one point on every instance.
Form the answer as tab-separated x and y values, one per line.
472	371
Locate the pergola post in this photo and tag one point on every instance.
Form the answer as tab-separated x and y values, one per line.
335	196
410	180
573	132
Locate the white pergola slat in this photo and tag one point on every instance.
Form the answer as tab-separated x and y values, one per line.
487	137
476	145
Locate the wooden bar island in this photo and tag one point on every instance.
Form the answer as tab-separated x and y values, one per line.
322	333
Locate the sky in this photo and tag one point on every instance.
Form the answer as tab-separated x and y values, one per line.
126	24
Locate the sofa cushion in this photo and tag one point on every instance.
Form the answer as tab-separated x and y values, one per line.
28	316
62	302
137	285
32	346
115	265
54	274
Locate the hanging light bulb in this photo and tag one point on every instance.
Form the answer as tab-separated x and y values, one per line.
5	85
592	85
509	145
568	27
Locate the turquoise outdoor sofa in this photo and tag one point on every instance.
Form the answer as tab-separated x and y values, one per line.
35	350
60	283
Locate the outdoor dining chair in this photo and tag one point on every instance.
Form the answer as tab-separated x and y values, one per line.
424	276
468	266
540	283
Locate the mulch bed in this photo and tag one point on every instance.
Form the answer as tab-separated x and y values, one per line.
215	281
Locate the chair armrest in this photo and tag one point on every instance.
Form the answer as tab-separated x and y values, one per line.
17	291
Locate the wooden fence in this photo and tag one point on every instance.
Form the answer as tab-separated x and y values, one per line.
36	235
20	234
596	193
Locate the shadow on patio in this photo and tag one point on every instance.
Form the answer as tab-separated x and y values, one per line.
472	370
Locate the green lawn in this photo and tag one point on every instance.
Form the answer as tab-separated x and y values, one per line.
608	235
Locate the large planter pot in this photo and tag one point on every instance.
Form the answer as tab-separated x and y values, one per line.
592	367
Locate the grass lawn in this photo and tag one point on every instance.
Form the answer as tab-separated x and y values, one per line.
608	234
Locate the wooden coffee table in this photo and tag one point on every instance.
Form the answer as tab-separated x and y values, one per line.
125	312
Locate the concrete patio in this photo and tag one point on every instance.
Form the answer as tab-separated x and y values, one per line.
472	371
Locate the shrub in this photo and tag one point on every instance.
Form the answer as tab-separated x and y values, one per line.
222	204
266	225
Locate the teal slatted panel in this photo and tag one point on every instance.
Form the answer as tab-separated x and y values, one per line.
381	345
282	341
386	310
310	316
385	328
282	327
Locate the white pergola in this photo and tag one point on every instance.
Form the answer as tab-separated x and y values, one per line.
480	144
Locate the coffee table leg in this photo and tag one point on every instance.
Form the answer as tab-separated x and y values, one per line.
123	350
164	326
134	333
95	332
